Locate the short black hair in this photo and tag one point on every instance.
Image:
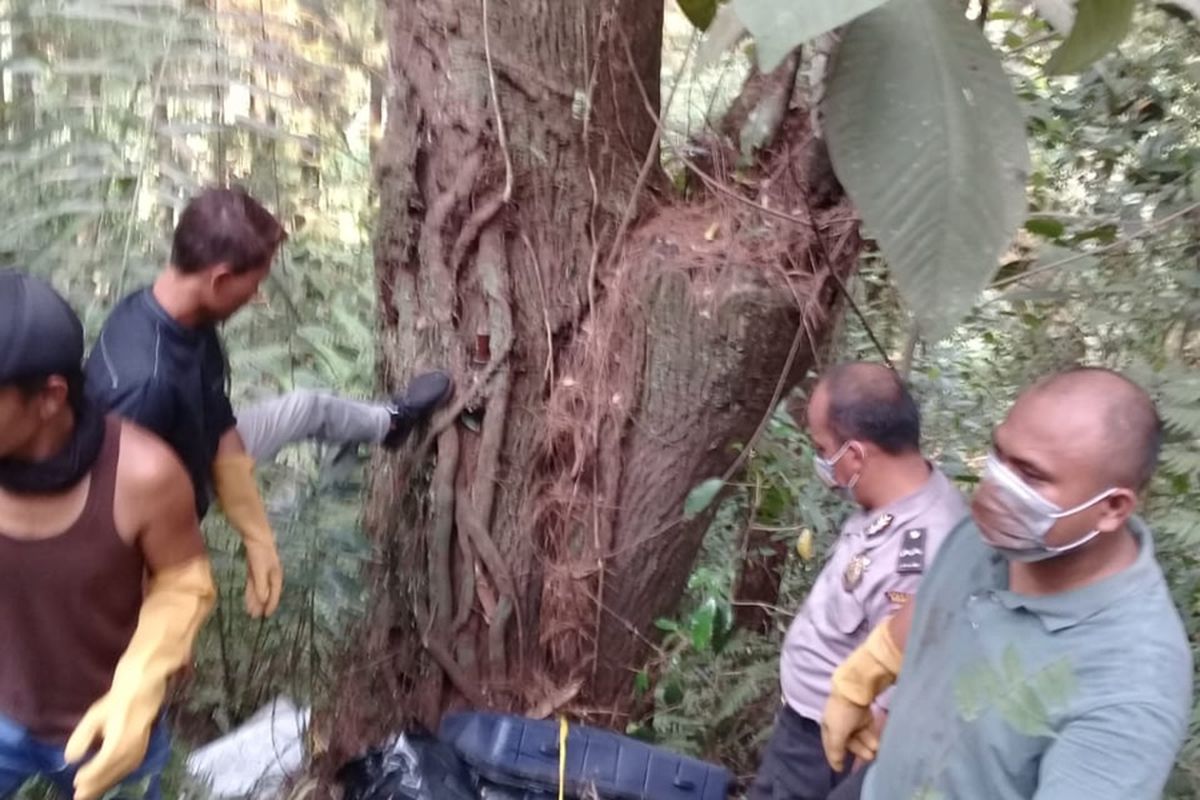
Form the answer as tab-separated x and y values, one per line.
870	402
1131	422
225	226
31	385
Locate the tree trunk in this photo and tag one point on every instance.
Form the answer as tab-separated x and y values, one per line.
611	348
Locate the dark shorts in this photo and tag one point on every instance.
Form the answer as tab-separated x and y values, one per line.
793	763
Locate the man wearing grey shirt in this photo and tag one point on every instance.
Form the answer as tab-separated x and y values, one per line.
866	429
1044	658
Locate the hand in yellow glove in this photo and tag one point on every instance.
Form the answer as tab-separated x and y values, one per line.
175	606
850	725
233	479
847	723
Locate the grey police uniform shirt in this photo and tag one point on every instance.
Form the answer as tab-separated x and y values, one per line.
874	567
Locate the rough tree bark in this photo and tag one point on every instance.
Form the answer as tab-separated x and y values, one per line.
611	346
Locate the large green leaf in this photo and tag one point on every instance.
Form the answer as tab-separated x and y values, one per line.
1099	27
927	137
779	26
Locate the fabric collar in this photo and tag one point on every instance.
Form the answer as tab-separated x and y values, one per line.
902	511
1060	611
172	325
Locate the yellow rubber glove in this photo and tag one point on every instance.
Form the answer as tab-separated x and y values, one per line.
848	722
233	478
176	604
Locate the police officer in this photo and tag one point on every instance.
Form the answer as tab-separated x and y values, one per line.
866	429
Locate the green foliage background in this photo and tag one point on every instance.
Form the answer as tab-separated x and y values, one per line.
114	111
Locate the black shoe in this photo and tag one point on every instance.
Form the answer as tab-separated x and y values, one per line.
416	404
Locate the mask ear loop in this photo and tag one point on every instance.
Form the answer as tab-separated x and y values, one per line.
1080	542
854	481
1107	493
841	451
1087	537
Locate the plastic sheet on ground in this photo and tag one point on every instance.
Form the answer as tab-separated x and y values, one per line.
256	758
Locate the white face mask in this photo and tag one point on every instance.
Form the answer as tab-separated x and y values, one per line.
1018	531
824	468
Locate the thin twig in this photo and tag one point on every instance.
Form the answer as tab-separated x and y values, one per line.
1033	42
862	318
1151	227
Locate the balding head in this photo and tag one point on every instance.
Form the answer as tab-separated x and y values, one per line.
1120	414
868	403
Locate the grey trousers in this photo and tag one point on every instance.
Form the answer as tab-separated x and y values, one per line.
268	426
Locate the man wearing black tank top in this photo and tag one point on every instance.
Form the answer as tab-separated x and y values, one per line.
104	581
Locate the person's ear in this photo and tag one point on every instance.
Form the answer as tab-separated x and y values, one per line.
854	459
218	276
53	397
1116	509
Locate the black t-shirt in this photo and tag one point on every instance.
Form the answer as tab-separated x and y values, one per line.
165	377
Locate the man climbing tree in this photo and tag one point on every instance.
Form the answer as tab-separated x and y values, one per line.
159	362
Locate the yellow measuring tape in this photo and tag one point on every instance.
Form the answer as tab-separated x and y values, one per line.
562	757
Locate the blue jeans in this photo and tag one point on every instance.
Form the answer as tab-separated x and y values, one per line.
23	758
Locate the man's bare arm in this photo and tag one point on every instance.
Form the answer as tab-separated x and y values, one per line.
155	506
